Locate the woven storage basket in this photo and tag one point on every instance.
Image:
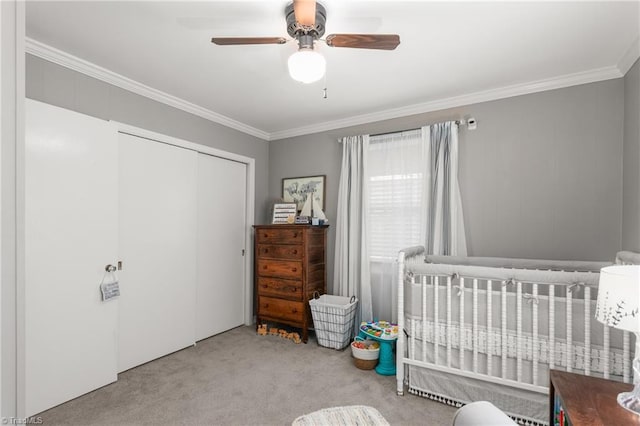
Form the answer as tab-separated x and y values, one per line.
333	319
365	364
365	359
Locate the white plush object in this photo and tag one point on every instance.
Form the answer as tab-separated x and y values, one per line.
481	413
343	416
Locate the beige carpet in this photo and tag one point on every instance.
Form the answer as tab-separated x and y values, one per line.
240	378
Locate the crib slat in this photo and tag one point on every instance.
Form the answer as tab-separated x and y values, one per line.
461	327
552	326
489	331
626	364
424	315
569	328
436	315
519	331
449	323
504	331
606	350
412	340
475	325
534	361
587	331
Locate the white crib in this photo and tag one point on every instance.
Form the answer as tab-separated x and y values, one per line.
491	328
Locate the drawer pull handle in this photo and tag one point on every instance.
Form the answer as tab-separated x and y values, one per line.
295	235
265	250
294	269
295	252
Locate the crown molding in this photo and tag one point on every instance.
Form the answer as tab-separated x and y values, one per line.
630	57
591	76
67	60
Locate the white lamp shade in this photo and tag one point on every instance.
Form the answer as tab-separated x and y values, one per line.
619	297
307	65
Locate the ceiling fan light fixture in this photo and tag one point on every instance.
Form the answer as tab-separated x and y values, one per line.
306	65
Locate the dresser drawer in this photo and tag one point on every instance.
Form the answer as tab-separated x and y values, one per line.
280	309
280	268
279	236
290	289
283	251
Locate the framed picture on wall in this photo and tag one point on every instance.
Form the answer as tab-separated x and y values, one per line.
297	189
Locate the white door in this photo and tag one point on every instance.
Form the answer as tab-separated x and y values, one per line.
71	230
158	189
220	292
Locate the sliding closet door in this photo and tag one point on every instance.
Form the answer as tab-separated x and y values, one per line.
220	293
158	190
71	229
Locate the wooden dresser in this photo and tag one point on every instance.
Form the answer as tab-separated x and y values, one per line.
290	266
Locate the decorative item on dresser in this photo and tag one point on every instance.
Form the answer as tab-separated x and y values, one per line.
290	267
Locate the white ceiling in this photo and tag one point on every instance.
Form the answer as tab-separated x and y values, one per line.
450	52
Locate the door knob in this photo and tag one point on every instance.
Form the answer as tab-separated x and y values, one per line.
110	268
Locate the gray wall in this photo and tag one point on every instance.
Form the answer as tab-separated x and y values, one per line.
631	166
541	177
318	154
60	86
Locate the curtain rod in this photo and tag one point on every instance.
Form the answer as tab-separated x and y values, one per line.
457	122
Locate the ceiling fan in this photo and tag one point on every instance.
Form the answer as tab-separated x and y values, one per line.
306	23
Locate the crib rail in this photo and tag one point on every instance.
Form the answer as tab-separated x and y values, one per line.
504	325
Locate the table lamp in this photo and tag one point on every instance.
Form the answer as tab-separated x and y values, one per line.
618	305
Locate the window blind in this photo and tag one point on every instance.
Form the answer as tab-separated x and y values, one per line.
395	196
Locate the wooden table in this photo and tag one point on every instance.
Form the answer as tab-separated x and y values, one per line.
589	400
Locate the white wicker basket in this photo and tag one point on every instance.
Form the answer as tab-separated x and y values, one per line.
365	359
333	318
366	354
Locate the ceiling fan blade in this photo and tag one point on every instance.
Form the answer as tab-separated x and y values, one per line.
305	11
364	41
230	41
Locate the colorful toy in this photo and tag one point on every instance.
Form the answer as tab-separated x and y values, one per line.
295	337
380	329
386	334
274	331
361	345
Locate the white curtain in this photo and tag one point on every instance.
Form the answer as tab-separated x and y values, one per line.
445	221
396	190
396	178
351	266
397	211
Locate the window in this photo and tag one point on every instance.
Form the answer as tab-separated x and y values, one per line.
395	197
